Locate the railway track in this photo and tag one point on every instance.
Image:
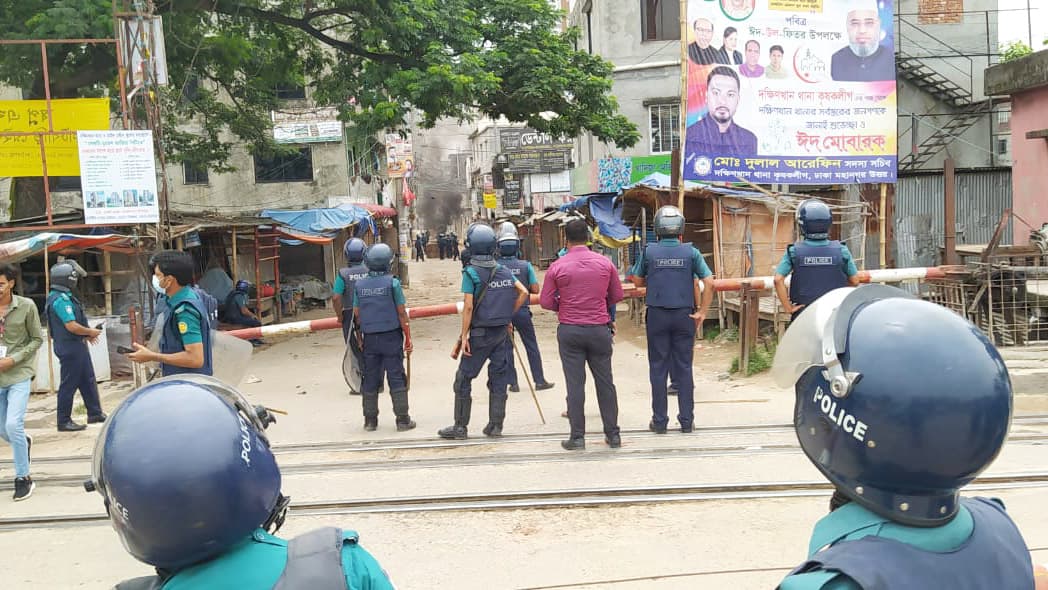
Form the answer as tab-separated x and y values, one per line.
547	499
479	441
695	451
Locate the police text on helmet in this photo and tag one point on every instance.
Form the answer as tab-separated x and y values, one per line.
245	441
849	423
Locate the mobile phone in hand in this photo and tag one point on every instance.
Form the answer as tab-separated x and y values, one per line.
124	350
100	326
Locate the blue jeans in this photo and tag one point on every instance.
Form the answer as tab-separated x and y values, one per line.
13	402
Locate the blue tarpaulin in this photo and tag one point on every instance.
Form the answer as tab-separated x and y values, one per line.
320	222
607	212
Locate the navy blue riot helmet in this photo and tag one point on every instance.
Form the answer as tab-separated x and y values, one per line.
243	286
669	222
509	239
481	241
814	218
899	402
186	471
354	249
378	258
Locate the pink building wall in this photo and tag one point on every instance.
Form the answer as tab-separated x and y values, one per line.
1029	161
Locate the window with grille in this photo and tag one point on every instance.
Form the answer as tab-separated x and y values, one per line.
661	19
665	128
294	167
1002	146
193	174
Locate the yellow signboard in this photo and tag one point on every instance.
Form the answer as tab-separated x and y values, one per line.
490	201
20	155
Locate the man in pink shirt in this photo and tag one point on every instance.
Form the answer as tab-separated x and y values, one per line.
583	288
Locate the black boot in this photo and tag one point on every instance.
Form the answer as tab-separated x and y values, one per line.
400	408
463	405
370	403
496	415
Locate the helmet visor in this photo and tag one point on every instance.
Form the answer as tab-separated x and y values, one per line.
820	332
802	346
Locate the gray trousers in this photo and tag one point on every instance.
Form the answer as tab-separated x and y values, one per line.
579	346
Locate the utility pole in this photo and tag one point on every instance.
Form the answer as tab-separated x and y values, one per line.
140	28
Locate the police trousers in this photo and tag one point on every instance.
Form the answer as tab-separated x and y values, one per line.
77	372
384	356
525	329
671	348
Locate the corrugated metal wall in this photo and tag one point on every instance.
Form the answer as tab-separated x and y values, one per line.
981	198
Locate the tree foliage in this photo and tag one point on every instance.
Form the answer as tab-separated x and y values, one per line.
377	60
1014	50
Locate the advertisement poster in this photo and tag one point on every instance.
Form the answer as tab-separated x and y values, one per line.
118	177
400	160
20	155
307	125
791	91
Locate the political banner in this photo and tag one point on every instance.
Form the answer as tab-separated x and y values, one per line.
400	158
791	92
20	154
314	125
118	177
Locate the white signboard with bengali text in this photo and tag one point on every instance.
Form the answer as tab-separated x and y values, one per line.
118	177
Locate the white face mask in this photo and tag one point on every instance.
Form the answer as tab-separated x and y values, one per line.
157	287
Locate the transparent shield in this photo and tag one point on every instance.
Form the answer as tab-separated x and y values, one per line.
802	345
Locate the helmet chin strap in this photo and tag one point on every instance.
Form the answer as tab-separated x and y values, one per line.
278	515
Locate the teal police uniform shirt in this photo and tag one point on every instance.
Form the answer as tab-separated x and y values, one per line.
852	522
786	265
699	268
240	300
257	563
472	284
398	291
188	321
63	307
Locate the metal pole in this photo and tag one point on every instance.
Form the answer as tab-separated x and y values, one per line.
1029	22
883	228
683	116
50	345
950	213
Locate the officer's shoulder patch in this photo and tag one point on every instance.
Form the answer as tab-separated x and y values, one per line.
69	309
182	328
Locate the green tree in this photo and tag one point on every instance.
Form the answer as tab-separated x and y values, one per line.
1014	50
374	59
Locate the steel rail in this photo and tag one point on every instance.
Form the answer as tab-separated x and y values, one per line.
546	499
517	438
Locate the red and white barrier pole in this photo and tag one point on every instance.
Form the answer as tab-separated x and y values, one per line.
888	275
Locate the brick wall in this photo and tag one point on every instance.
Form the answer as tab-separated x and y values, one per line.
940	12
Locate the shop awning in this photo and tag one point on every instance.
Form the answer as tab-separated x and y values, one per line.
57	243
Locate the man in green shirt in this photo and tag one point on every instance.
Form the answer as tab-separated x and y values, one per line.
19	340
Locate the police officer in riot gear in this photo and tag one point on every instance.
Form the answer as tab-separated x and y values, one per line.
509	250
818	264
491	296
354	250
669	268
379	309
70	335
200	500
899	448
